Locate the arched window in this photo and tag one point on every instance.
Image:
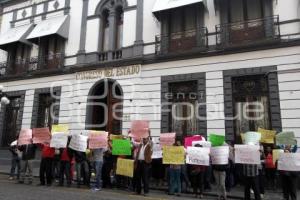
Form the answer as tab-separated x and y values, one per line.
111	28
119	27
105	30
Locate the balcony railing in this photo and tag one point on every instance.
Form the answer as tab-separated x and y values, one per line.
48	62
34	64
247	33
110	55
180	42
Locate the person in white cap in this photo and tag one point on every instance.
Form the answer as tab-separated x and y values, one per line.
15	160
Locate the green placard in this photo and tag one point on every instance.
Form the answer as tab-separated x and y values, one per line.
216	140
286	138
121	148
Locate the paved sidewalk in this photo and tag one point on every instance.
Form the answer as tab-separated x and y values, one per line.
236	193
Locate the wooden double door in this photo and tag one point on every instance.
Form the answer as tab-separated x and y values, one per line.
105	107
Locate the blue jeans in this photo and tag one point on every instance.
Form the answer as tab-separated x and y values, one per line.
15	164
175	181
98	168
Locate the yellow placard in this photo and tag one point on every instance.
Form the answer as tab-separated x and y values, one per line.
60	128
173	155
115	137
276	153
243	137
125	167
267	136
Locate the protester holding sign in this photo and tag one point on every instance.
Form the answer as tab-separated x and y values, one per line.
65	166
143	160
46	164
288	177
98	160
197	177
175	177
28	155
249	156
220	160
82	168
15	160
270	168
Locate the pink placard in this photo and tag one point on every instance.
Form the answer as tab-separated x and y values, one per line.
140	129
167	139
41	135
25	137
98	140
188	141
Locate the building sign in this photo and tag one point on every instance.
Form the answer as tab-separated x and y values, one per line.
109	72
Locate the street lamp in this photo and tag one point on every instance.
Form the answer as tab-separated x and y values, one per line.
4	99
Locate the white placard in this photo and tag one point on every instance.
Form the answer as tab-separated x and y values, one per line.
59	140
198	156
79	143
219	155
289	162
247	154
157	151
202	143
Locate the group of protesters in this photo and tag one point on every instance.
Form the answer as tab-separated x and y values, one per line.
100	165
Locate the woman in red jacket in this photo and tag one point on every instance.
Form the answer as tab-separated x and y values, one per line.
270	168
46	164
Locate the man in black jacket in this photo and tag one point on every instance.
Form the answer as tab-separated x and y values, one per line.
28	155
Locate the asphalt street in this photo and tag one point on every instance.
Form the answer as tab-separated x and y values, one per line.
10	190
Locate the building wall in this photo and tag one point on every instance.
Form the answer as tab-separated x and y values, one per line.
142	92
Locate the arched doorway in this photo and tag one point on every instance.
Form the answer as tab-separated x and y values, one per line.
105	106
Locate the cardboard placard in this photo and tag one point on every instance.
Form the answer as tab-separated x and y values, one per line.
79	143
98	139
219	155
247	154
267	136
25	137
173	155
121	147
286	138
125	167
252	138
41	135
198	156
188	141
140	129
216	140
156	149
202	143
289	162
167	139
59	140
276	154
60	128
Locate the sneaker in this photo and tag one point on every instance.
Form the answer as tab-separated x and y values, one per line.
11	178
261	196
96	189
